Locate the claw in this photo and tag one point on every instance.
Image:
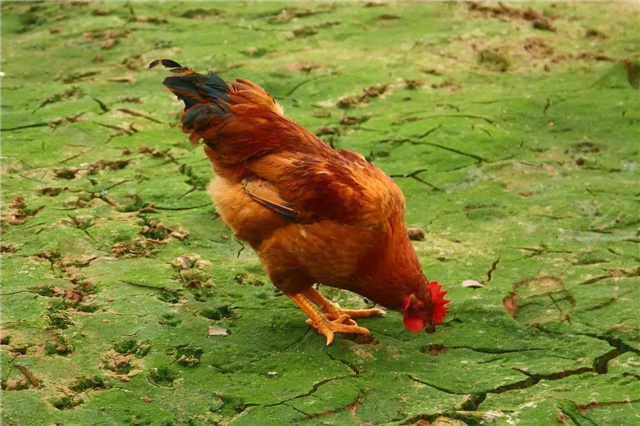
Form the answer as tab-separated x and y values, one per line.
343	324
334	320
334	311
355	313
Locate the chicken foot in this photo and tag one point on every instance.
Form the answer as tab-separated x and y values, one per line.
334	311
342	324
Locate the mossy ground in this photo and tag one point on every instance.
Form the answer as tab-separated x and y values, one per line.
512	132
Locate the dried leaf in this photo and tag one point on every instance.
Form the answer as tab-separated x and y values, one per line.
217	331
472	284
510	303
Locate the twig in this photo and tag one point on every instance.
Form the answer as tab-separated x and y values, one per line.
32	379
297	86
181	208
146	286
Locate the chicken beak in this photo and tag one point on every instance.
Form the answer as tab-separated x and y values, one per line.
430	328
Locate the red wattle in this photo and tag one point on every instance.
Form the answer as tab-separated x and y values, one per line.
414	324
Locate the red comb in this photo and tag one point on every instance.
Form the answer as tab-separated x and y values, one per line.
438	301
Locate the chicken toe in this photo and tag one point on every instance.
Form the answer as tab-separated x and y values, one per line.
334	311
326	327
329	328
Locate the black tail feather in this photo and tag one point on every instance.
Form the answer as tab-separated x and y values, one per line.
167	63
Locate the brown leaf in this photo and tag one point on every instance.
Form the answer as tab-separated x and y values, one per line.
348	121
436	350
561	417
326	131
101	12
109	43
125	79
302	66
321	113
75	295
510	303
17	203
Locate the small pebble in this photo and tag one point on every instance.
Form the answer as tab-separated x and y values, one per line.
416	234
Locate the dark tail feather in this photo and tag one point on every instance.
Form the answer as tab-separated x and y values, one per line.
193	88
167	63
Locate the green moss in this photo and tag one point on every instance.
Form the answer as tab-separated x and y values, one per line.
87	383
516	150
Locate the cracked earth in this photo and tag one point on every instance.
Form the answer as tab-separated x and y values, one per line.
512	131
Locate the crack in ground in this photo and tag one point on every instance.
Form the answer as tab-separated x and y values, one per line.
465	416
614	273
561	314
494	265
595	279
307	415
476	399
601	363
313	390
539	251
428	132
592	405
530	381
479	117
26	126
576	419
298	340
241	410
583	408
297	86
441	389
182	208
612	341
352	406
497	351
318	385
139	114
609	302
351	366
414	175
478	158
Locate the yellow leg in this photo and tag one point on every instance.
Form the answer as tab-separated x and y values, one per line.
333	311
322	324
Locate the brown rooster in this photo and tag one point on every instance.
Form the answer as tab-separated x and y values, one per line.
313	214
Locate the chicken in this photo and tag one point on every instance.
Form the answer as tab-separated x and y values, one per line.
313	214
